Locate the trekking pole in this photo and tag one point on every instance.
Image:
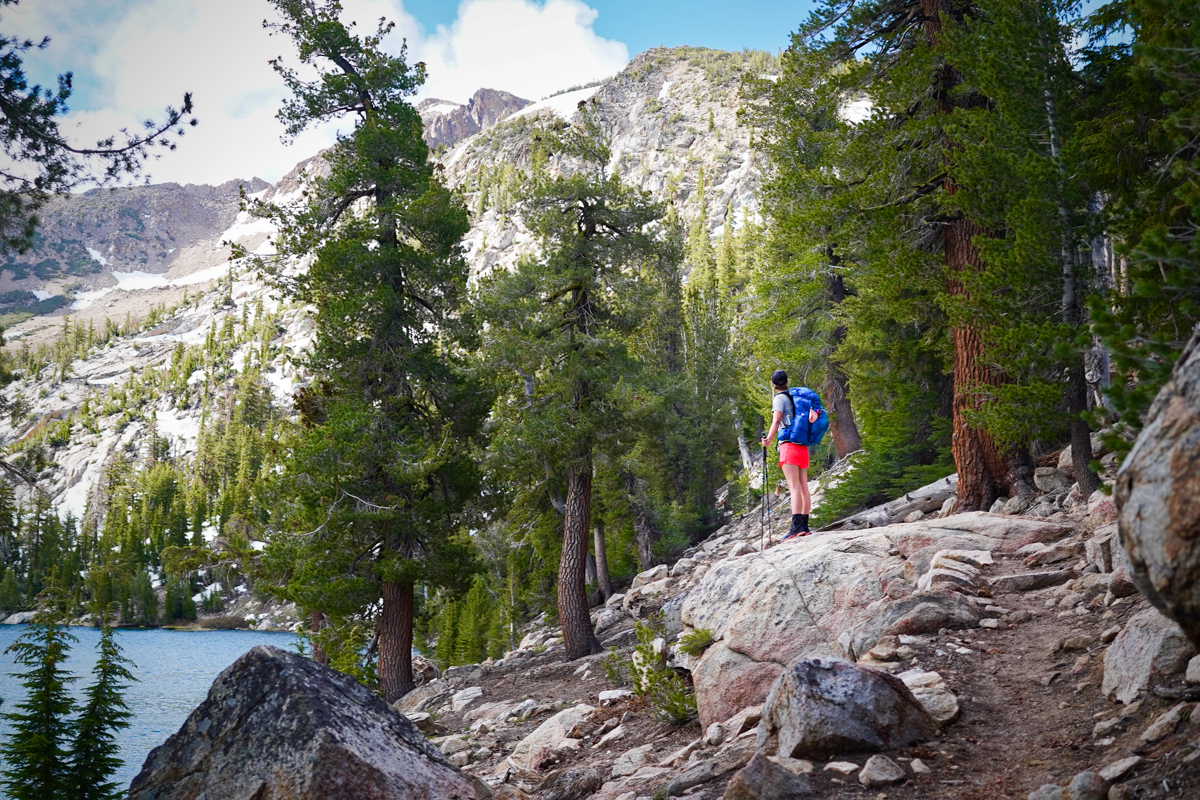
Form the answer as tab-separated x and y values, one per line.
766	501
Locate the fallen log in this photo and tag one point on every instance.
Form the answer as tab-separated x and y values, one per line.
927	499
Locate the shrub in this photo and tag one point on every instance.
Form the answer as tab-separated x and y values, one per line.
696	641
665	689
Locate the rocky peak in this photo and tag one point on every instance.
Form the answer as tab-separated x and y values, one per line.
448	123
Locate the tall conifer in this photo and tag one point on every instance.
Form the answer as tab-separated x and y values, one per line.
384	477
94	749
558	329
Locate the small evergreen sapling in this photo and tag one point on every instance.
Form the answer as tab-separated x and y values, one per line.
94	749
35	754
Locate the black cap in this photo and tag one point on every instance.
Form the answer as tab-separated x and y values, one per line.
779	378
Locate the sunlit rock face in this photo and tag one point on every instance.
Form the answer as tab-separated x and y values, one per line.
447	123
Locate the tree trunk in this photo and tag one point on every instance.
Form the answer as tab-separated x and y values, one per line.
842	427
1081	434
395	641
316	623
578	637
604	581
643	531
983	474
1076	394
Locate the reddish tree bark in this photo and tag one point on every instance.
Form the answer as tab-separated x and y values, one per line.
984	473
316	622
395	641
578	637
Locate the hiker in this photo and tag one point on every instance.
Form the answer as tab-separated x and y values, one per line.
793	458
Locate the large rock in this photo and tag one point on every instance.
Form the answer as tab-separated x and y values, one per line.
1150	644
765	779
277	725
824	706
423	698
831	595
1158	497
572	783
550	735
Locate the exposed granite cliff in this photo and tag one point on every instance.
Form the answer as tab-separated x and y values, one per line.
447	123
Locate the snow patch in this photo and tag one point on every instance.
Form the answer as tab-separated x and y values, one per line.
85	299
138	281
664	92
41	294
185	429
856	111
95	254
563	105
206	592
132	281
439	109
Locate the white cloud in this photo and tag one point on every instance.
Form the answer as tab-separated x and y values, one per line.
520	47
150	51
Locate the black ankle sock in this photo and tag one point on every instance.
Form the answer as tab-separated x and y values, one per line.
798	523
803	521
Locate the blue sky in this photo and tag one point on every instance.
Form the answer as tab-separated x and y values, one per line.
642	24
131	58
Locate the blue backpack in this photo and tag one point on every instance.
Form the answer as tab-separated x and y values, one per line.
801	431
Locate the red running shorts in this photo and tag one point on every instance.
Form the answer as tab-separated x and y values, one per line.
793	454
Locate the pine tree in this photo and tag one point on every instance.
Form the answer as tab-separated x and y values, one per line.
1140	135
94	750
36	753
474	623
445	651
890	210
558	337
389	426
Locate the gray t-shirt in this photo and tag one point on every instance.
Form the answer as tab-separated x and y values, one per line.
783	402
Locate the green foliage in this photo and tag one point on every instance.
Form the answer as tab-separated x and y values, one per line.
94	750
696	641
1141	134
664	688
616	668
898	456
37	754
11	599
379	482
178	605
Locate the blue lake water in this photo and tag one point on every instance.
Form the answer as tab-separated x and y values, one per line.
174	671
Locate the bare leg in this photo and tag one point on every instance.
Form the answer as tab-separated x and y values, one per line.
797	489
804	502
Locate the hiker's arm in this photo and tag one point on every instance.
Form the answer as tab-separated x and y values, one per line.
778	416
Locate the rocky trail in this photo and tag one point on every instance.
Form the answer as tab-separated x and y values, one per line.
1024	637
965	656
971	656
